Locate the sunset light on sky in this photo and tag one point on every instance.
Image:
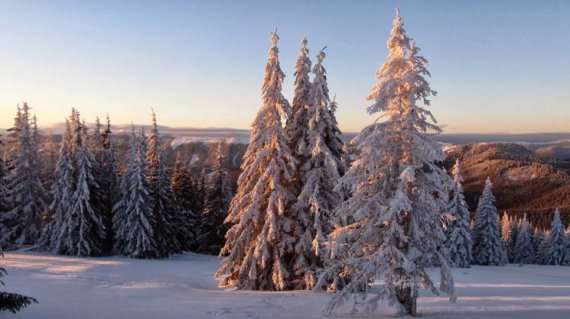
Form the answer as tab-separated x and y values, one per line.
498	67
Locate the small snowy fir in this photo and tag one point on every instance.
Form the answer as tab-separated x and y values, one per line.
488	248
557	251
538	245
507	236
458	241
524	249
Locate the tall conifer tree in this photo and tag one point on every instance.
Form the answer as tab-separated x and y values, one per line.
166	224
133	216
20	224
319	175
212	229
187	203
260	244
398	191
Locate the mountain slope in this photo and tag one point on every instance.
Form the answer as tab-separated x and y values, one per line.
524	182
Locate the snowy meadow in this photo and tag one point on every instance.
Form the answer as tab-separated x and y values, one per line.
184	287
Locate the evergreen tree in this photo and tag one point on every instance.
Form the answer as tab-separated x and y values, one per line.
4	200
55	236
297	124
515	227
319	174
260	244
133	218
100	200
88	220
109	182
76	226
458	242
187	203
487	246
507	236
212	229
567	236
20	224
167	225
10	301
557	251
399	193
524	249
537	244
201	187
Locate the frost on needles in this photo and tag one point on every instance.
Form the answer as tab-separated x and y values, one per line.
399	193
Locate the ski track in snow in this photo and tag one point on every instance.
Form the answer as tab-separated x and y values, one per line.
184	287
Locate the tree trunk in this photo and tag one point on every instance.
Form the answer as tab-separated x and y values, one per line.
407	301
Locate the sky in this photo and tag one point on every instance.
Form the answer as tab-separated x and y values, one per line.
498	66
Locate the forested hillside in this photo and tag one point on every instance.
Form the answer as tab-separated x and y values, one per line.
525	182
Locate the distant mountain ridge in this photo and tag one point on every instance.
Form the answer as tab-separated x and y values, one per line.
525	181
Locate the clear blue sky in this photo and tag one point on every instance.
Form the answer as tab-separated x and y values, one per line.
499	66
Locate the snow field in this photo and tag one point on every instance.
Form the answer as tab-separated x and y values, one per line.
184	287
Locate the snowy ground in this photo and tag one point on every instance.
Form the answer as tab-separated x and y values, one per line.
183	287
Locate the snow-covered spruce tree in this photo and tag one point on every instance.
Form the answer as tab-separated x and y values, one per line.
55	235
537	243
507	235
212	229
133	218
260	244
20	224
399	194
86	217
187	203
10	301
4	196
524	249
487	246
319	174
3	186
567	236
515	227
167	225
109	184
557	251
201	184
297	123
458	242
